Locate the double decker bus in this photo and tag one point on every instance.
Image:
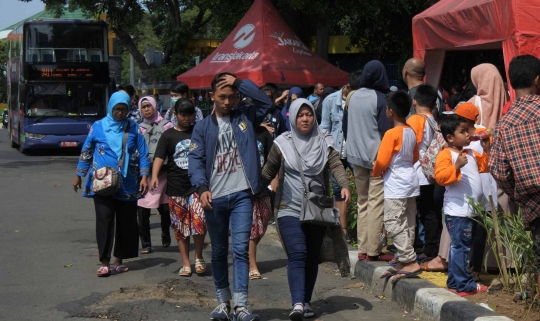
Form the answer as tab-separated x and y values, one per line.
58	82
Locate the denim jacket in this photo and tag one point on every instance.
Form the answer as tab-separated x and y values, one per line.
332	117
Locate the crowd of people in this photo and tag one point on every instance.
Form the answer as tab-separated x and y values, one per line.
414	160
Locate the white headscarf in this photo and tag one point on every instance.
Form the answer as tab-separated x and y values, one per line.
313	147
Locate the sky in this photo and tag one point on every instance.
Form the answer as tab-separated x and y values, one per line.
13	11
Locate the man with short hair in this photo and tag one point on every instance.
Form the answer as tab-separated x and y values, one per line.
413	74
317	92
367	117
516	144
224	166
180	90
332	121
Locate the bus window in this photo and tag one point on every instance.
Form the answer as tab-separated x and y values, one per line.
65	99
65	42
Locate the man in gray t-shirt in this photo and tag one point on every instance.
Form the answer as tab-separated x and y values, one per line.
228	175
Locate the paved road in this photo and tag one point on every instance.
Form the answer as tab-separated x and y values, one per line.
49	258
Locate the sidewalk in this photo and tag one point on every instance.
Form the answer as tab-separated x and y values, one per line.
423	298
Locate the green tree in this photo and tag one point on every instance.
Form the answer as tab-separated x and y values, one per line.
3	71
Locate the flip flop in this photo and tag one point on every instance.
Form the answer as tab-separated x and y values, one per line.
425	267
200	266
119	268
390	272
254	275
406	275
104	271
185	271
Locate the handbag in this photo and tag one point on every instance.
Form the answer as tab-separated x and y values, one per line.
316	209
106	181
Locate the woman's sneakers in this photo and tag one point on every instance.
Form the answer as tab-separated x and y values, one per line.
297	314
308	312
221	313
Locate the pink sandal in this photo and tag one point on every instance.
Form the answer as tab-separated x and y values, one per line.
120	268
103	271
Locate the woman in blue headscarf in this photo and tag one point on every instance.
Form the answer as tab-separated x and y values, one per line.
103	147
294	93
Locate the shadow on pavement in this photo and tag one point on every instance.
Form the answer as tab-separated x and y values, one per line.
146	263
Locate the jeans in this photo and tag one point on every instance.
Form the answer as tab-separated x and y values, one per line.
303	243
431	220
335	186
234	210
460	230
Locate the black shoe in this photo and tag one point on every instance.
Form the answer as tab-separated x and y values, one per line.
221	313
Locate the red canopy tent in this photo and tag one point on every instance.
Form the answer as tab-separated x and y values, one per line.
264	49
510	25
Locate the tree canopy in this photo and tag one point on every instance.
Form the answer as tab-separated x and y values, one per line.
381	28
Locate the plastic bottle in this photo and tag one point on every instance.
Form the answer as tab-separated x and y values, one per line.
485	134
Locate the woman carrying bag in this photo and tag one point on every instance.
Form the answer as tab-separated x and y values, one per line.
152	127
108	155
302	157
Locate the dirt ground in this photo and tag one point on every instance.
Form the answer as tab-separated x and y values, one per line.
503	304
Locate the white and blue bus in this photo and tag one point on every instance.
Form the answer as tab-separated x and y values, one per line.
58	82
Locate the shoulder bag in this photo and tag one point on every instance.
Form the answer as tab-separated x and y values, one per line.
316	209
106	181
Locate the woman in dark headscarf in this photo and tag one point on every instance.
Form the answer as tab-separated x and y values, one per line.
294	93
318	156
103	147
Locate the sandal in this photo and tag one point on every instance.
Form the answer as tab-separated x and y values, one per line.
120	268
405	275
146	250
388	273
200	266
254	275
103	271
165	240
185	271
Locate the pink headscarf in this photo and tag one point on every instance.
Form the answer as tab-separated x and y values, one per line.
156	119
490	88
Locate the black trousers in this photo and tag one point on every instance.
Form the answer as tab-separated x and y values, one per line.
143	215
479	245
124	235
431	219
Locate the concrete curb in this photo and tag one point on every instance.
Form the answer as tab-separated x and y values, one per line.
421	297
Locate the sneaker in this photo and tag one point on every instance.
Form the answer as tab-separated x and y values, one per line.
297	314
244	315
480	288
308	312
221	313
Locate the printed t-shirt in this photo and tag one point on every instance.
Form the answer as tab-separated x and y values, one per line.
424	136
462	183
174	146
395	159
228	175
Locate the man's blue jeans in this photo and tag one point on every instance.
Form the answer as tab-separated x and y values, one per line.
234	210
460	230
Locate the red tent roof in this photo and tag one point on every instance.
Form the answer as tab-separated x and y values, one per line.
264	49
513	25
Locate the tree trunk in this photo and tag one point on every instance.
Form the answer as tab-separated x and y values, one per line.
323	36
132	48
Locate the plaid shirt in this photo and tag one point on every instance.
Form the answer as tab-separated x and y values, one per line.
514	161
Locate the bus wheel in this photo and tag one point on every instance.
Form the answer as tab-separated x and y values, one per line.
13	144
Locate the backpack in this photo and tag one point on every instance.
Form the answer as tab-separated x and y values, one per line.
154	131
437	143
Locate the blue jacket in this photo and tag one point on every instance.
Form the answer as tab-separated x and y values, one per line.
332	117
205	134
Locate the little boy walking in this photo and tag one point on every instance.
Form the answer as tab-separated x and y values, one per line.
459	170
395	162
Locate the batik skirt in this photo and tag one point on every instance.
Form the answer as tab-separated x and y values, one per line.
262	209
187	216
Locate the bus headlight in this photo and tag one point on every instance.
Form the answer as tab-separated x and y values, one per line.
34	136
